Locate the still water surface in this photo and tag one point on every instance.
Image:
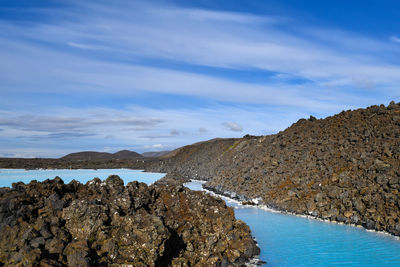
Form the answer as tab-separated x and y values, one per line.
285	240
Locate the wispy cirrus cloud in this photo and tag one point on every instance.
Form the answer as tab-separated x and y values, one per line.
46	123
57	136
89	127
235	72
129	37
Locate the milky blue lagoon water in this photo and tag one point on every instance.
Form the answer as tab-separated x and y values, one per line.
285	240
289	240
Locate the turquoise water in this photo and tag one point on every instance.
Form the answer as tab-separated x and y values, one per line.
288	240
9	176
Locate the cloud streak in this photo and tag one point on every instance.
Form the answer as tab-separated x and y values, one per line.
45	123
215	39
93	129
57	136
225	73
233	126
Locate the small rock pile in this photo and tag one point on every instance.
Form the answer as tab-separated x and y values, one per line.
108	224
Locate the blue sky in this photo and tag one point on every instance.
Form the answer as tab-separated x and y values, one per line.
156	75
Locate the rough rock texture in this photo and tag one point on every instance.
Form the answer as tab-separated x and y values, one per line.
196	161
344	168
155	154
107	223
173	178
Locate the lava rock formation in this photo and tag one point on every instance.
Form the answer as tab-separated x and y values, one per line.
108	224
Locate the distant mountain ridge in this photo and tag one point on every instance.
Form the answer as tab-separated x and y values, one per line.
93	155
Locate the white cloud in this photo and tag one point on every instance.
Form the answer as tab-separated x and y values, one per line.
233	126
204	37
50	72
395	39
100	50
60	123
106	133
157	147
203	15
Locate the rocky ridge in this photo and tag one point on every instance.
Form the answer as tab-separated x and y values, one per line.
109	224
196	161
155	154
342	168
93	155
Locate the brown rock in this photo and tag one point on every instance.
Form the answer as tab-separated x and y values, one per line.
101	224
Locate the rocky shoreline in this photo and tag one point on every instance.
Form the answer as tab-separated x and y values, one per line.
343	168
258	203
109	224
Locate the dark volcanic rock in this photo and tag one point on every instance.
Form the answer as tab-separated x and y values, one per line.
155	154
103	223
173	178
343	168
197	161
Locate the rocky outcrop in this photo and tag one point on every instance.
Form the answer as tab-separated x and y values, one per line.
197	161
106	223
93	155
155	154
173	178
343	168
